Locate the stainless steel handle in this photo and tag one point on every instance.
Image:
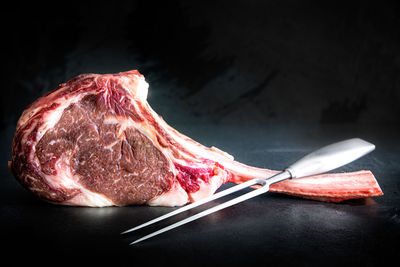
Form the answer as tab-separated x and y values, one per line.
330	157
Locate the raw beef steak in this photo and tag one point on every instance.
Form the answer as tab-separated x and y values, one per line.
95	141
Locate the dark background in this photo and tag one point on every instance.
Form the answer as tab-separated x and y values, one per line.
266	81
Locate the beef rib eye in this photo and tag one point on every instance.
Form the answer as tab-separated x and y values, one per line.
95	141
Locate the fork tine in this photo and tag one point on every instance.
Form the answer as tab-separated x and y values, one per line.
195	204
256	192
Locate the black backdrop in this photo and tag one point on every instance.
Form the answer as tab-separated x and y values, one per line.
220	63
258	61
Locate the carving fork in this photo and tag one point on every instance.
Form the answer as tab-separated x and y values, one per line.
320	161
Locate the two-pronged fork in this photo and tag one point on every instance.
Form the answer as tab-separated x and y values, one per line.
320	161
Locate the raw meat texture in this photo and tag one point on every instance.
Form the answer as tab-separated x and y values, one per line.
95	141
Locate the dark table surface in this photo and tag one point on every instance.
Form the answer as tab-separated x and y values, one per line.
269	229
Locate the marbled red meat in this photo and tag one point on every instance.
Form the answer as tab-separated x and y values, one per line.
95	141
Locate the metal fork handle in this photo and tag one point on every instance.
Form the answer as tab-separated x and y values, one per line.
330	157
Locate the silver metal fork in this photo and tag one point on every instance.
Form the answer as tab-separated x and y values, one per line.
320	161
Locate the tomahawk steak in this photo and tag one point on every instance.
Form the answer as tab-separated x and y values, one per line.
95	141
